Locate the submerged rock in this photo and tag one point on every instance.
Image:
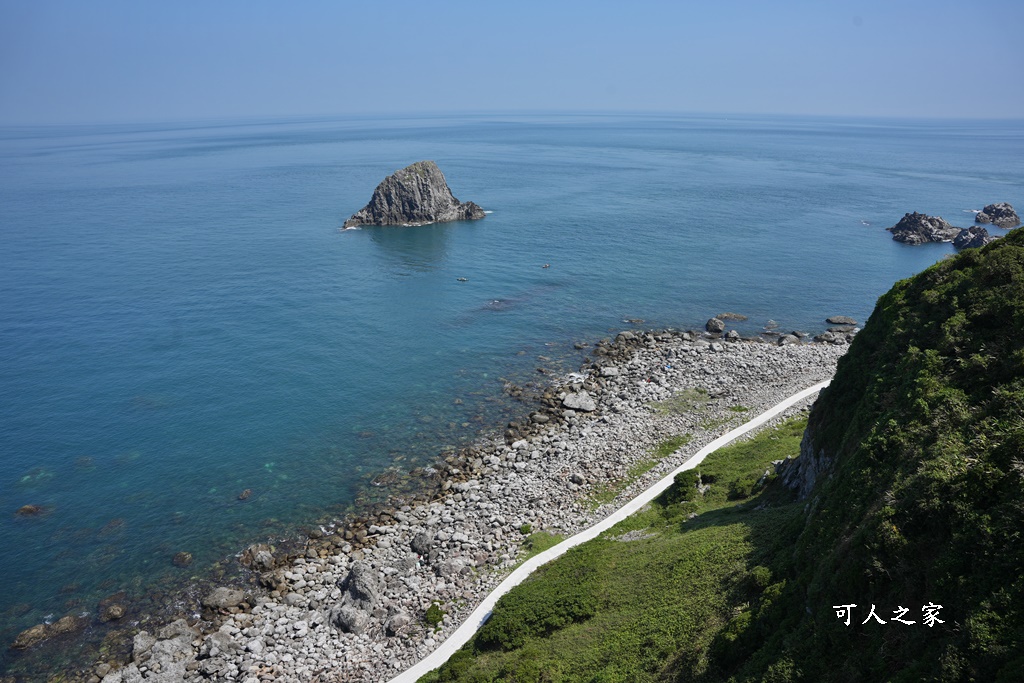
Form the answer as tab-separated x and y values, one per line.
1001	214
415	195
918	228
31	636
112	612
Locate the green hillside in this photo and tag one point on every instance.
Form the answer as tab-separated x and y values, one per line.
918	447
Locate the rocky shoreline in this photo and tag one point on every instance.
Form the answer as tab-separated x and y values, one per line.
366	601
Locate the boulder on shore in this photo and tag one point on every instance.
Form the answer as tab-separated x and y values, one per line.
580	400
415	195
362	591
1001	215
918	228
715	326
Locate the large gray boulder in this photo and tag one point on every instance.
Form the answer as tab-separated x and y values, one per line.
349	619
581	401
362	590
362	587
224	598
421	543
415	195
715	326
918	228
1001	214
165	656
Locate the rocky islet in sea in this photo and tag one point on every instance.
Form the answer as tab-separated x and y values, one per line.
1001	215
918	228
353	605
415	195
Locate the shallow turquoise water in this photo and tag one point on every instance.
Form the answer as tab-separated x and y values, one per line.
181	319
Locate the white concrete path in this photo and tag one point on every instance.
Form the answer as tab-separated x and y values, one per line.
483	611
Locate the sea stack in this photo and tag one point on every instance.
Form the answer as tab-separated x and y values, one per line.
415	195
918	228
1001	214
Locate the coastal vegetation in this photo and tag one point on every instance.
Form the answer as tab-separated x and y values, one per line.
624	606
912	479
606	493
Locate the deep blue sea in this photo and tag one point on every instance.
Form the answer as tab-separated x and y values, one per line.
181	318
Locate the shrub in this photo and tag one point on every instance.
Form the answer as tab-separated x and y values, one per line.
434	615
541	606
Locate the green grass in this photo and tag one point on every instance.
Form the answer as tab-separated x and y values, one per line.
683	402
669	446
539	541
639	610
606	493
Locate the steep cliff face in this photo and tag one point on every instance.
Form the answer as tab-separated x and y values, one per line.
415	195
913	478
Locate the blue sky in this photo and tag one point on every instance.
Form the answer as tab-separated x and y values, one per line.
106	60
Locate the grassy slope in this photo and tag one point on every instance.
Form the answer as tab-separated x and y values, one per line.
925	424
638	610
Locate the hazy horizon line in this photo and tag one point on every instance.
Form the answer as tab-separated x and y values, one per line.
255	119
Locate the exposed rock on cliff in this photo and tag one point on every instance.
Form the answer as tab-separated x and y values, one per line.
918	228
801	474
415	195
1001	214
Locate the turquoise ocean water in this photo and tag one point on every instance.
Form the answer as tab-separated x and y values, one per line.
181	319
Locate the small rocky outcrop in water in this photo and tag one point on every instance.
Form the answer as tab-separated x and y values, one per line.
918	228
415	195
1001	214
972	238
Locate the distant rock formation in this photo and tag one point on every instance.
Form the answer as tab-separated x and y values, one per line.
1001	214
972	238
918	228
415	195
